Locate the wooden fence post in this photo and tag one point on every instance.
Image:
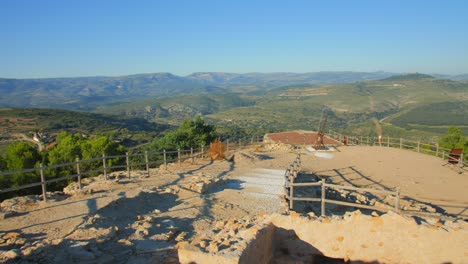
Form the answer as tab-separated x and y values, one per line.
419	145
360	142
443	155
397	200
104	165
401	143
388	141
460	162
240	143
367	140
127	161
202	152
322	201
291	192
178	156
43	183
437	149
78	172
191	154
147	164
251	141
165	159
227	145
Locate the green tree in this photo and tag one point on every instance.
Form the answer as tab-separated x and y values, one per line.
20	156
454	139
95	147
191	133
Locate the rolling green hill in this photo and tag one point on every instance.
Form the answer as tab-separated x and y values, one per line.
175	109
126	130
352	105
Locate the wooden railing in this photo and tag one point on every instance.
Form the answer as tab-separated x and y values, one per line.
294	171
421	147
127	163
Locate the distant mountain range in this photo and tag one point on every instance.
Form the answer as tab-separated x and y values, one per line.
87	93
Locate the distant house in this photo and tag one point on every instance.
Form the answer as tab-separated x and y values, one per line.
36	137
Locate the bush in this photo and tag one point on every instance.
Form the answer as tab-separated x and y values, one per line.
217	150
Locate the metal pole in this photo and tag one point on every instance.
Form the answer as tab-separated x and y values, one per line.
43	183
104	165
437	149
460	162
397	200
202	152
165	159
291	193
227	145
127	160
147	164
322	201
78	172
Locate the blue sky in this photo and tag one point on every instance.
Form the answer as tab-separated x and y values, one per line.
88	38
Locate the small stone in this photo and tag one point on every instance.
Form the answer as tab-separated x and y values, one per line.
374	213
220	225
148	218
311	214
139	217
203	244
141	231
213	247
156	211
125	242
20	241
56	241
11	235
12	254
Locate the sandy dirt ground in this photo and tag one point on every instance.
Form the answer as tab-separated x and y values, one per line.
122	220
420	177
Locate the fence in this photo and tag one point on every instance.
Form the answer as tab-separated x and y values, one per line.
82	168
418	146
294	170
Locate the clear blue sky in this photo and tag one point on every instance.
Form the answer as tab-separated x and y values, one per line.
87	38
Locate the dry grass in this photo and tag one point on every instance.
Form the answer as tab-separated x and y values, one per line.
217	150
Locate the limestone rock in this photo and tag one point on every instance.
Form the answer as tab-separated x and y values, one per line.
12	254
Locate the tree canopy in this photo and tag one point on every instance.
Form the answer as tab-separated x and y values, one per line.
191	133
454	139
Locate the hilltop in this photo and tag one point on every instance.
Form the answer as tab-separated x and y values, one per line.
87	93
229	210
